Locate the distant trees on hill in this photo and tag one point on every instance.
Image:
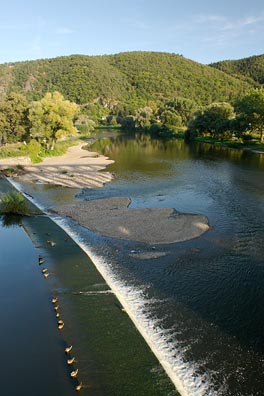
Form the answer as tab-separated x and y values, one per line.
249	69
121	80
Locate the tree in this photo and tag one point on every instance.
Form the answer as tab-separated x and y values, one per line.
84	124
214	119
183	107
143	117
170	118
251	110
51	118
13	117
128	123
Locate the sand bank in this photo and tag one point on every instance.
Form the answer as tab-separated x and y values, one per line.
112	217
78	168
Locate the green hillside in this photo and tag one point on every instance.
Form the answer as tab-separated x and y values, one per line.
249	69
124	77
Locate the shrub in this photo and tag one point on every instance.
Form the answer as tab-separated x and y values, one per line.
34	148
13	202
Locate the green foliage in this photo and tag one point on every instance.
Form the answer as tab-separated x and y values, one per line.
213	120
249	69
161	76
14	202
170	118
140	90
143	117
95	111
13	117
180	107
34	151
51	118
84	124
128	123
122	82
251	110
16	150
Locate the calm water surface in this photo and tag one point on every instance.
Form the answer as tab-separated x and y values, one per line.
200	306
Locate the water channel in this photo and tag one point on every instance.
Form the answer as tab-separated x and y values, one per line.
199	303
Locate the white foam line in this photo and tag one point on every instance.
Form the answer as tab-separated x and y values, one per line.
182	374
94	293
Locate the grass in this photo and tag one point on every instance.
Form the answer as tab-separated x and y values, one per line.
13	150
14	203
35	151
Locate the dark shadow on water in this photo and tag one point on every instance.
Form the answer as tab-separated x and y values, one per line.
10	220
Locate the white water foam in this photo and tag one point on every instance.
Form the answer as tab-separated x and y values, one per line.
170	355
95	293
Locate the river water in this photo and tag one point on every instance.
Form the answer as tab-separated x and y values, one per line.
198	304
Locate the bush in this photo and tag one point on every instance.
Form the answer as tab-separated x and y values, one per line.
34	148
13	202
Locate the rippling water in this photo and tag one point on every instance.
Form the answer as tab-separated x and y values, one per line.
211	288
200	305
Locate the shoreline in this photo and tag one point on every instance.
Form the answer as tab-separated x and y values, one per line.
78	168
111	217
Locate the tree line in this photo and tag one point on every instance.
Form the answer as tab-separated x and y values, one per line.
44	121
219	120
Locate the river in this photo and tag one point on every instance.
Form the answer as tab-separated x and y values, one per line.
199	304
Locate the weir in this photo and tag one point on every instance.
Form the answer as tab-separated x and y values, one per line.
182	374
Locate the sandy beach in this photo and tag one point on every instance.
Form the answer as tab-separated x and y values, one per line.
78	168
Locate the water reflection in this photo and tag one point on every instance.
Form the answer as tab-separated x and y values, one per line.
10	220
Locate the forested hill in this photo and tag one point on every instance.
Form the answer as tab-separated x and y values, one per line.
251	68
126	77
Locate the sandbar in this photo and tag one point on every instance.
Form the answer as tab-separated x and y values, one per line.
112	217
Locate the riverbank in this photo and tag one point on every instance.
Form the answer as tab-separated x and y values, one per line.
78	168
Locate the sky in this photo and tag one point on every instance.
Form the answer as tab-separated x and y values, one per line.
202	30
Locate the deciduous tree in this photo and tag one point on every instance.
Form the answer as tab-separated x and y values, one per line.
251	109
51	118
13	117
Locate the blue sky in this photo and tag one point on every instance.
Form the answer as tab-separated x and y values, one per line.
202	30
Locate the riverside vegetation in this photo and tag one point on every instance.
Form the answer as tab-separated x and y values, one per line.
163	94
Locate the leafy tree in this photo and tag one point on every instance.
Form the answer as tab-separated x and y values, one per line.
143	117
183	107
251	110
128	122
213	119
84	123
170	118
51	118
13	117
